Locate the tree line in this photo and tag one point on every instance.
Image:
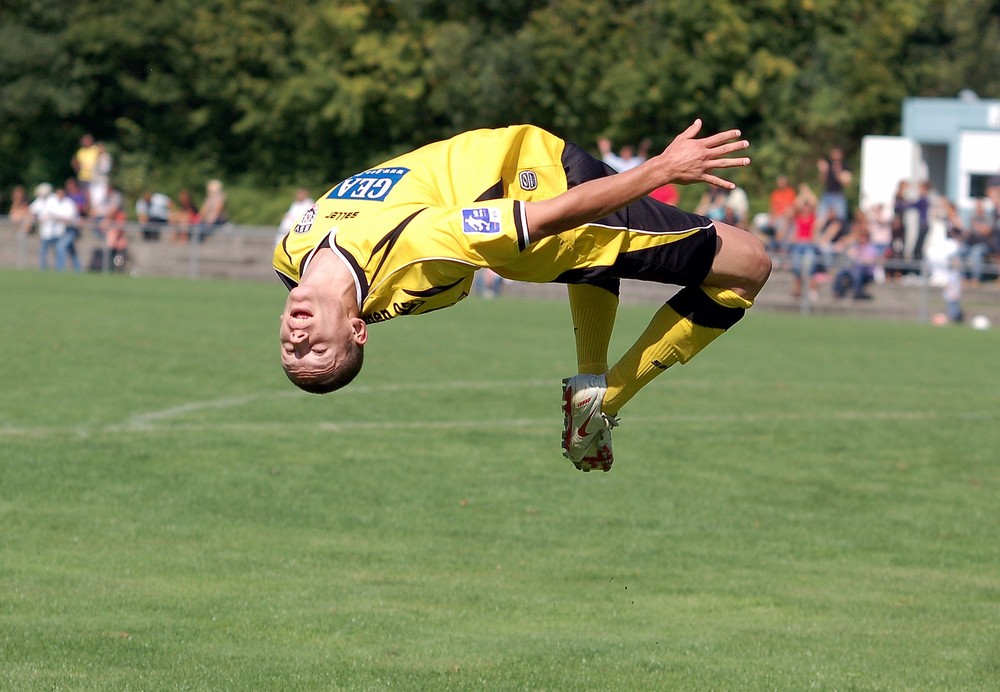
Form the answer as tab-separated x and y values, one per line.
283	91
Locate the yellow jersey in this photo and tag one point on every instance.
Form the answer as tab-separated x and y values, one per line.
414	230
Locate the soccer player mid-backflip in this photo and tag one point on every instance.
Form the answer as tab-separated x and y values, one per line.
406	237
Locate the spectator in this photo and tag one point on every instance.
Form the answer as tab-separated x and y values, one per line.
981	241
862	257
113	256
298	207
488	283
19	212
627	158
667	194
900	205
84	161
713	204
952	292
212	213
54	210
879	220
99	188
780	213
923	206
803	248
185	215
834	178
153	210
737	208
74	230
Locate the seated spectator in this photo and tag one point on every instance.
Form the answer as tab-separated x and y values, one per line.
980	242
737	208
862	257
212	213
185	215
299	206
713	203
113	256
879	219
153	210
104	200
19	212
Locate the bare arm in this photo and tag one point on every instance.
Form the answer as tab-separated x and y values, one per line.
686	160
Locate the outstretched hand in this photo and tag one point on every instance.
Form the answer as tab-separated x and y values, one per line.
691	160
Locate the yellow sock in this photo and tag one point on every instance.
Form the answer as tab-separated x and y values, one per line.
593	310
679	330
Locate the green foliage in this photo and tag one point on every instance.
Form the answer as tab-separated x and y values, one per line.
273	92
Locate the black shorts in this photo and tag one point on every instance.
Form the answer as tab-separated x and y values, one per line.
683	262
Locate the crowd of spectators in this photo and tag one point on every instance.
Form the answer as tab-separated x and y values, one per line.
88	201
822	241
808	226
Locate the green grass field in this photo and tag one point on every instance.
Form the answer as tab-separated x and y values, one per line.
812	503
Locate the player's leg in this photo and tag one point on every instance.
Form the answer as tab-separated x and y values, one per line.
593	309
694	317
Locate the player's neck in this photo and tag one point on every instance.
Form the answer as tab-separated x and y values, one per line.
328	275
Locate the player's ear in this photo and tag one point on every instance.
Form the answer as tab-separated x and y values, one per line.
359	331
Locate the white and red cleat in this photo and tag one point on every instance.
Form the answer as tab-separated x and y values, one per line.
586	429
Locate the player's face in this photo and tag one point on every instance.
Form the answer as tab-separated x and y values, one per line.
313	333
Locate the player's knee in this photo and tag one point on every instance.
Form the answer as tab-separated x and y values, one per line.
759	266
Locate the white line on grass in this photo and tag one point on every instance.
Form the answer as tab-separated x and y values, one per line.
146	425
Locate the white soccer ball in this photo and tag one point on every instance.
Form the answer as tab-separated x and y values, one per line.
980	322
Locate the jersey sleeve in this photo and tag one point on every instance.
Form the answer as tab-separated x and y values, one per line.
486	234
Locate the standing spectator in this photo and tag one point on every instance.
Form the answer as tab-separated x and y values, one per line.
212	213
951	254
834	178
19	212
47	239
54	211
99	188
84	161
803	248
299	206
981	241
185	215
900	205
993	195
74	230
627	158
153	210
923	206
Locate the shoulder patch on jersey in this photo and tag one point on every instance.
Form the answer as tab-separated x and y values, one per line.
372	186
528	180
481	220
306	222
